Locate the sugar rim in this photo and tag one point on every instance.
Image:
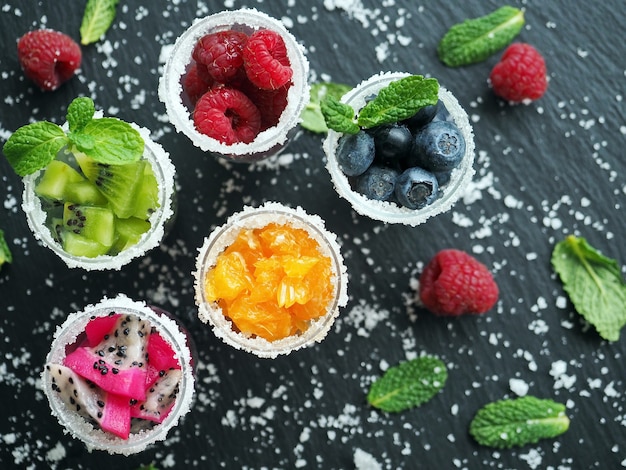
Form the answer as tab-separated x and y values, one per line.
73	423
170	88
390	212
164	171
223	236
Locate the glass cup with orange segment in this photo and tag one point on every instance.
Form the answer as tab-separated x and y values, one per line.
271	280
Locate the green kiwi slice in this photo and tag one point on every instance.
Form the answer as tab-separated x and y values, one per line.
55	179
84	192
147	200
128	232
79	245
92	222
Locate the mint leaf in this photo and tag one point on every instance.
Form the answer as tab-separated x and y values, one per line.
97	19
338	116
115	142
79	113
312	117
5	253
517	422
408	384
593	283
32	147
399	100
476	39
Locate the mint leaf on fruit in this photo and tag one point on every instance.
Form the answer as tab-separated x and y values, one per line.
399	100
115	142
339	116
5	252
476	39
79	113
408	384
32	147
97	19
594	284
312	117
518	422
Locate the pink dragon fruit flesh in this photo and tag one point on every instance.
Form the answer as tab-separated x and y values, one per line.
160	397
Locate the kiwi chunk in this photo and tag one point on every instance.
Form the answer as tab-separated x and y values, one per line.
128	232
147	195
118	183
55	179
92	222
84	192
79	245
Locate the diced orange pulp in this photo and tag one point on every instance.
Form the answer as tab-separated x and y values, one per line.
271	281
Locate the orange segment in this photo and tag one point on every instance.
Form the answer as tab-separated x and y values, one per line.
229	277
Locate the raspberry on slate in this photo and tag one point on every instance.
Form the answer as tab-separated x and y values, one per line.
48	57
227	115
520	76
221	53
195	83
265	60
454	283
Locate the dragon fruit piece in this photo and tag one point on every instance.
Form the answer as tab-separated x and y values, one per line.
161	356
99	327
160	397
105	410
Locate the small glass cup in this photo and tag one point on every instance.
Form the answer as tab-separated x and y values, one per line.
160	219
269	142
72	331
391	212
253	218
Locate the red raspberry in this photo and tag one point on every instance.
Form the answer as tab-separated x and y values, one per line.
48	57
227	115
265	60
221	52
454	283
520	76
271	103
196	84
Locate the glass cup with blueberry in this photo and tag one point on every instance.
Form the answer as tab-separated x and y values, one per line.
406	171
235	84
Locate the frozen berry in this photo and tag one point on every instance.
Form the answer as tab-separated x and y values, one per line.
227	115
392	141
416	188
454	283
265	60
520	76
378	182
271	103
355	153
196	84
221	53
48	57
438	146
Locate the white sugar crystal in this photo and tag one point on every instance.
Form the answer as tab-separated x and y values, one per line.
365	461
518	386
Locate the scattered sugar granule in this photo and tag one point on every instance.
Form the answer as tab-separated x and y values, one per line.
518	386
365	461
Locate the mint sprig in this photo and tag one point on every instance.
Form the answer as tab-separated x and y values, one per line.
408	384
97	19
594	284
312	117
476	39
5	252
107	140
339	116
518	422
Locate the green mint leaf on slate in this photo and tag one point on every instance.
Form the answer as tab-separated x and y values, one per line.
409	384
115	142
518	422
399	100
32	147
79	113
338	116
476	39
5	252
97	19
593	283
312	117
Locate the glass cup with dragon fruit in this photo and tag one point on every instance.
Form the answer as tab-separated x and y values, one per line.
408	186
119	375
235	83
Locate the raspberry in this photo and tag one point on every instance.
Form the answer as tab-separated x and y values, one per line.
271	103
48	57
454	283
520	76
227	115
221	53
265	60
196	84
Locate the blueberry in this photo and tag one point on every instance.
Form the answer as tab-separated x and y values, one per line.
443	177
378	182
438	146
392	141
355	153
433	112
416	188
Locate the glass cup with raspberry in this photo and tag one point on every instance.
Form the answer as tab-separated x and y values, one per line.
271	280
404	172
235	84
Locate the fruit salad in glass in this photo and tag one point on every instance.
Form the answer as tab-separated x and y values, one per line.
98	191
271	280
120	375
235	84
404	149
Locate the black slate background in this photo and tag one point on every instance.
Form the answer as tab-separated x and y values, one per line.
550	169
